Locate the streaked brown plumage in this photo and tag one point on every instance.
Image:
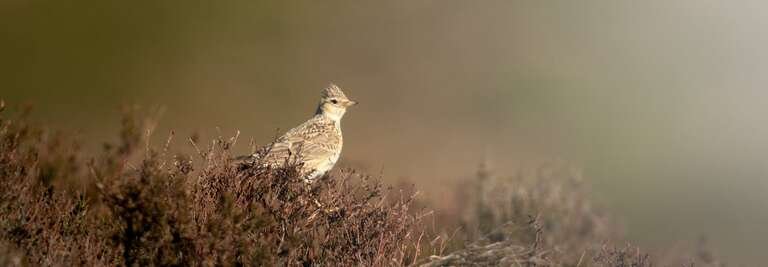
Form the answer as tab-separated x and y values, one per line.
316	143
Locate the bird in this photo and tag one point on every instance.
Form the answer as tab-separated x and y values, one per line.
315	144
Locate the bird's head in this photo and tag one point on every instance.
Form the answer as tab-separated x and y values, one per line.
333	102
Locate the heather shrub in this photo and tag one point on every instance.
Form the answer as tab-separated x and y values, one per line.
546	204
542	215
136	204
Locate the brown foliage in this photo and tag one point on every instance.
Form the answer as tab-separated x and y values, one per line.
135	204
58	207
542	216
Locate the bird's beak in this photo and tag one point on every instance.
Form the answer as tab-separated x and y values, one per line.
351	103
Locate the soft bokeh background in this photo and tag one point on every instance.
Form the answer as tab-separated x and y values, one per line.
663	103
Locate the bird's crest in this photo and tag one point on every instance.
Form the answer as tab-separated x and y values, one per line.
333	91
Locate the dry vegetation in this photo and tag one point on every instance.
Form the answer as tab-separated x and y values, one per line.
541	216
136	204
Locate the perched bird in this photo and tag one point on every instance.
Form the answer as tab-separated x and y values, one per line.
315	144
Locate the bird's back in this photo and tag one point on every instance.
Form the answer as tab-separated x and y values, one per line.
315	143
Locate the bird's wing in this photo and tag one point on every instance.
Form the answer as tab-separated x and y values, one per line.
314	138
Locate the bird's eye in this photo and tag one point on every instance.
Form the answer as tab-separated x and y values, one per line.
334	101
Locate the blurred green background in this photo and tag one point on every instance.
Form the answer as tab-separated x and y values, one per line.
662	102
